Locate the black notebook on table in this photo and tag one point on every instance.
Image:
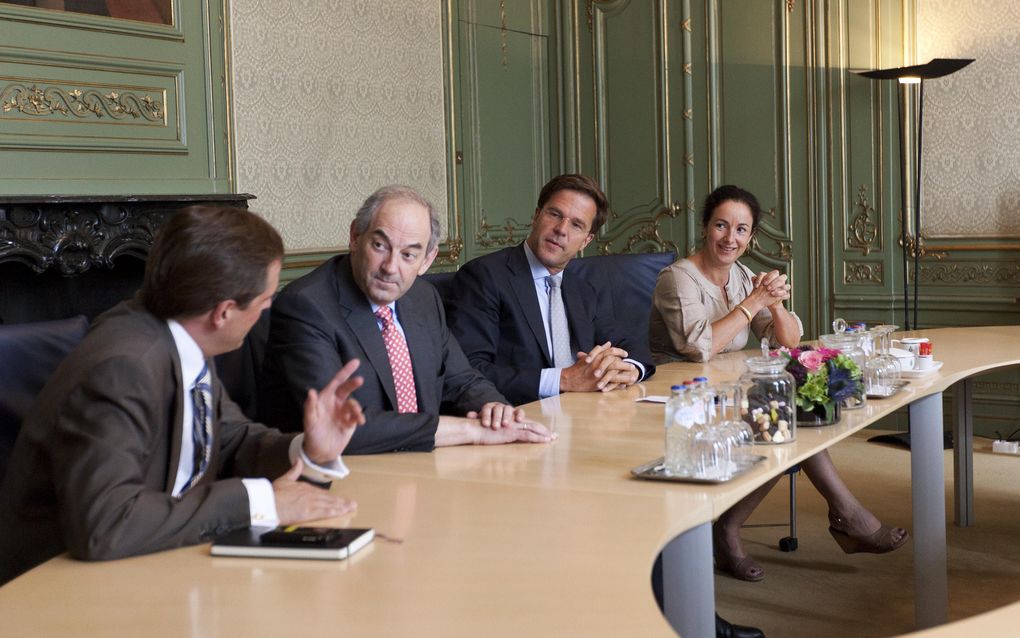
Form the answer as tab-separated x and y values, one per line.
318	543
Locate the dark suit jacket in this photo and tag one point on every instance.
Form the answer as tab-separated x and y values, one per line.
495	316
322	320
97	456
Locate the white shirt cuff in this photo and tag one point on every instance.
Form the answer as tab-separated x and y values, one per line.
332	471
549	383
640	368
261	502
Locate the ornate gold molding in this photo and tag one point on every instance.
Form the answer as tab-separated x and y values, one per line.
862	231
783	251
685	25
451	255
919	249
502	33
997	387
54	100
648	232
971	273
862	272
790	4
514	233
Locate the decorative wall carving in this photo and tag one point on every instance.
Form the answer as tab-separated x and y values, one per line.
647	236
370	78
89	102
970	119
511	233
997	388
74	236
862	272
450	256
862	233
971	273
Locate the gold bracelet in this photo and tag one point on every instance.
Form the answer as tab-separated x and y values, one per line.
747	313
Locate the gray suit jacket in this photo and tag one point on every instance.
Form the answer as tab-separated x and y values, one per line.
97	456
322	320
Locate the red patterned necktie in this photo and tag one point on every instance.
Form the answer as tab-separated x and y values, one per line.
400	362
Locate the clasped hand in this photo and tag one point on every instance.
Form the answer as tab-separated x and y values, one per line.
769	289
601	370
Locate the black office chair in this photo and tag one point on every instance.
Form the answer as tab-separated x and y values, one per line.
240	371
30	352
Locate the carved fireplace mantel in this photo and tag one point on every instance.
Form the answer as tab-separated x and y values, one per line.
74	234
72	247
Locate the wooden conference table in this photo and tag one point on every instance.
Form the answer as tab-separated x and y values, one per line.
511	540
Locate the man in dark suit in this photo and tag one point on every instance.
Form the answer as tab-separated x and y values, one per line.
369	305
133	447
503	311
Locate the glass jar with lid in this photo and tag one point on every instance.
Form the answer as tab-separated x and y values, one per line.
768	401
851	345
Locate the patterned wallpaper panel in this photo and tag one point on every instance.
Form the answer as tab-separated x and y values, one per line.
332	99
971	140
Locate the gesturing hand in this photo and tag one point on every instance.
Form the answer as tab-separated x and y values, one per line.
297	502
331	415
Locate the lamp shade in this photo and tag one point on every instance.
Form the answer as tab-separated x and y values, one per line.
937	68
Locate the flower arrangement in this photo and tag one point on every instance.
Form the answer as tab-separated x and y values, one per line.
825	378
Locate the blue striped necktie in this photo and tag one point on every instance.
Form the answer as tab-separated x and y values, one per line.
201	429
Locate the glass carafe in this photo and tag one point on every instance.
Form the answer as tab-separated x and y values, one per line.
768	403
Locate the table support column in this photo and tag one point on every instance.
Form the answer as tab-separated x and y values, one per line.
927	474
688	583
963	453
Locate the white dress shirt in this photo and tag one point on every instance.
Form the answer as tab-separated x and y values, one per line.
261	501
549	381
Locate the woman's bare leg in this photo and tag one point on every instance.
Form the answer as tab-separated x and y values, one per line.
855	519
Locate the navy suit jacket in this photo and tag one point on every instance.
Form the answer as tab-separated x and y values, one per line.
494	314
322	320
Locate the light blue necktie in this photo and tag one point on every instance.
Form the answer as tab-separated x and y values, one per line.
563	357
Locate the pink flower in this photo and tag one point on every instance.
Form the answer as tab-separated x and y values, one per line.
829	353
811	359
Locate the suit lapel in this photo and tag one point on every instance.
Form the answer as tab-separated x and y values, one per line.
356	311
581	331
176	416
523	286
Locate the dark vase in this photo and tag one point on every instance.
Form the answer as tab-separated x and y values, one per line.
820	415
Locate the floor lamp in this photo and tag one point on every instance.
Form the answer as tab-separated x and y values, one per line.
908	78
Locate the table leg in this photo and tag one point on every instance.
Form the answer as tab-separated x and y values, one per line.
688	584
927	476
963	452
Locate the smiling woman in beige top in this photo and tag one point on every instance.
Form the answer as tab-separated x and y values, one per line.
708	304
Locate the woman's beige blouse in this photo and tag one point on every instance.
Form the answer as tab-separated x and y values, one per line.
685	304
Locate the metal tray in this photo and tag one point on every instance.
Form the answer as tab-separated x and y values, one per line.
896	387
655	471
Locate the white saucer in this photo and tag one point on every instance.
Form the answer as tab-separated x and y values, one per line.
917	374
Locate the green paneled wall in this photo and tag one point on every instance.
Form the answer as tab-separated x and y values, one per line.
98	105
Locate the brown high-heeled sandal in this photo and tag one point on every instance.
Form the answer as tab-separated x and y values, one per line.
743	568
880	541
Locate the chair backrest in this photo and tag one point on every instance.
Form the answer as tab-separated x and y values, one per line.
625	284
240	371
443	281
29	353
